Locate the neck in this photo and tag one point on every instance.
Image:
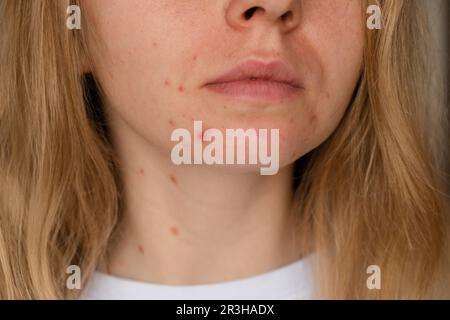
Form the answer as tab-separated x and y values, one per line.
197	224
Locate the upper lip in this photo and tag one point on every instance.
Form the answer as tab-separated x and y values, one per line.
275	71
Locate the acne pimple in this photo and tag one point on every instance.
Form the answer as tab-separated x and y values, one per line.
201	135
174	231
141	249
167	83
181	89
172	123
173	179
141	171
154	44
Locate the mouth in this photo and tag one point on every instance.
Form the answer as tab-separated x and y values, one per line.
257	81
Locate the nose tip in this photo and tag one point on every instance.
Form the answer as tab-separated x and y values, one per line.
244	14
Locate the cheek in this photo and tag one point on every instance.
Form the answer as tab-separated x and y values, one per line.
331	43
144	74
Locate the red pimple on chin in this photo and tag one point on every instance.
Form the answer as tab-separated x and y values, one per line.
141	249
201	135
167	83
174	231
180	89
173	179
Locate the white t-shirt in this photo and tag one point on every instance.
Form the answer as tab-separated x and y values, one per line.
291	282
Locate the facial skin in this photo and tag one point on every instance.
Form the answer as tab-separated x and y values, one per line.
159	54
153	59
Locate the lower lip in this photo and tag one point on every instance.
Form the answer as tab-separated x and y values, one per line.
259	90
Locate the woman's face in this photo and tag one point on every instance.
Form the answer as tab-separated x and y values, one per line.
161	66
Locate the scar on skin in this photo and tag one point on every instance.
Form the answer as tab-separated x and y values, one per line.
141	249
174	231
173	179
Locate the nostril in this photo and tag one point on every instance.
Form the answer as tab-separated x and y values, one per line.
288	16
250	12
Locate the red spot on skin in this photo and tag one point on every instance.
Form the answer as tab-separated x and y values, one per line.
172	123
154	44
201	135
291	121
174	231
195	58
141	172
141	249
167	83
173	179
225	107
181	89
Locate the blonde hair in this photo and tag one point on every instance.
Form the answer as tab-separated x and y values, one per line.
371	194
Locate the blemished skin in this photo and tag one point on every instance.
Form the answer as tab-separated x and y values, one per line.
197	224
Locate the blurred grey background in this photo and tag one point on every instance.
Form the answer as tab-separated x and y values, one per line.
439	11
439	17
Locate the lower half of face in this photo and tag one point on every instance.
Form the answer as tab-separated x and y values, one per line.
291	65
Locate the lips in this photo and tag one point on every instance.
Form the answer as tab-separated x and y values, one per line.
254	80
